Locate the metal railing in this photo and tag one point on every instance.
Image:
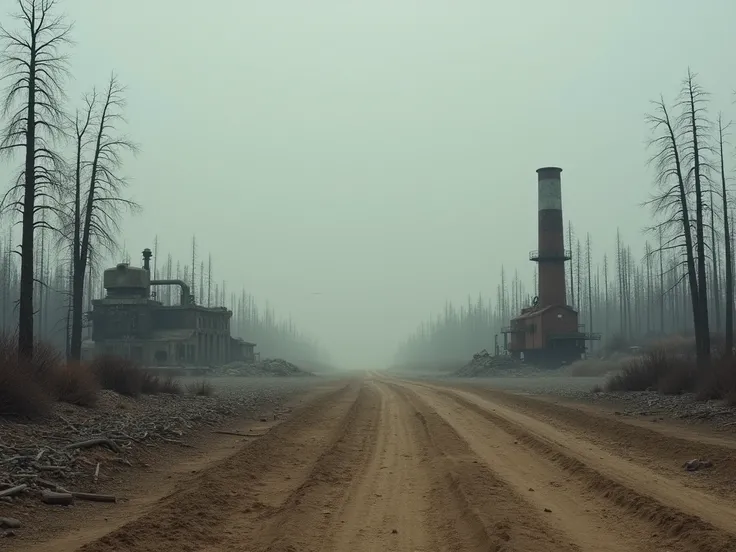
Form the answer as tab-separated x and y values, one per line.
566	255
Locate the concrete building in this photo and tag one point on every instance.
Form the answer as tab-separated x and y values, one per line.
548	332
128	322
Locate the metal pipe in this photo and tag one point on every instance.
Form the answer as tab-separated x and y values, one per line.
185	293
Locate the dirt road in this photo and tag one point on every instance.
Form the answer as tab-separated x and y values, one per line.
386	464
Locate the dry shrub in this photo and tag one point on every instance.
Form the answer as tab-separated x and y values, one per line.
593	367
640	374
118	374
171	386
153	384
673	374
679	375
76	383
20	394
673	345
25	385
201	388
128	378
719	381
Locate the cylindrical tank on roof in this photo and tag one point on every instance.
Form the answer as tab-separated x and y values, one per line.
126	281
551	254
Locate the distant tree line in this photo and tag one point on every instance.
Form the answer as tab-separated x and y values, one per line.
680	282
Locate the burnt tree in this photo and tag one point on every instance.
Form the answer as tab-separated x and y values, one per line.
722	129
34	66
97	199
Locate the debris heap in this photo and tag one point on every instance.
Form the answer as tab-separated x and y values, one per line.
276	367
486	365
76	447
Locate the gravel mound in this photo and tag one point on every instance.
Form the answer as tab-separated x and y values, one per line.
484	365
276	367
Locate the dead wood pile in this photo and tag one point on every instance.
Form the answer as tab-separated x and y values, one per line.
485	365
64	457
275	367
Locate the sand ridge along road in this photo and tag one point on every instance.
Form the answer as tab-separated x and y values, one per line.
381	463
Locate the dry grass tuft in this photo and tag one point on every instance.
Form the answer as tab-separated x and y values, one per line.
201	388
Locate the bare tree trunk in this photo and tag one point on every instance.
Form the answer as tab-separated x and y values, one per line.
714	247
669	164
694	97
728	347
605	289
209	280
590	284
572	281
35	65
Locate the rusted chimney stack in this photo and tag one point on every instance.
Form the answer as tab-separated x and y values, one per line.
551	255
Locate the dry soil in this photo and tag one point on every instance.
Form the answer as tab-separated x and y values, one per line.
384	464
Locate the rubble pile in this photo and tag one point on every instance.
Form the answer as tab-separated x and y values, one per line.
76	448
276	367
486	365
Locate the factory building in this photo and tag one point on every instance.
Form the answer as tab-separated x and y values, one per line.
548	332
129	322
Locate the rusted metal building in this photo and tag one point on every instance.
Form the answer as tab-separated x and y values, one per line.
128	322
548	331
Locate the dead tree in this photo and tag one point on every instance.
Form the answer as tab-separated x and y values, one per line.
97	202
572	283
209	280
715	287
693	120
194	264
722	130
671	202
35	68
590	283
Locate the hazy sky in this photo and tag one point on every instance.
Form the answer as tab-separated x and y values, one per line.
383	152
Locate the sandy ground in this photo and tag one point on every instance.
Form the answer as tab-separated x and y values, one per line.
379	463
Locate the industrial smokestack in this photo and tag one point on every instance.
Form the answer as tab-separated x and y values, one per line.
147	259
551	255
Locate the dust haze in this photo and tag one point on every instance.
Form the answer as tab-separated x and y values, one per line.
356	165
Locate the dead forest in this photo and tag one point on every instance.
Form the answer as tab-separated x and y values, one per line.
676	279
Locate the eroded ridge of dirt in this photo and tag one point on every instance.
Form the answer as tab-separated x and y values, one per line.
666	512
382	464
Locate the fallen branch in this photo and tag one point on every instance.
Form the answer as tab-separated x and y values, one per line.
93	497
9	523
112	445
13	491
59	499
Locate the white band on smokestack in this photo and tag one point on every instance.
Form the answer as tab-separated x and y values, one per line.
550	194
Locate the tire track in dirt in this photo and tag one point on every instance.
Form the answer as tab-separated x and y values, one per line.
303	520
472	508
656	445
385	508
256	479
681	516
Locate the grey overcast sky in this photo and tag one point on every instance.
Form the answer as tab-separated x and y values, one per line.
383	152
